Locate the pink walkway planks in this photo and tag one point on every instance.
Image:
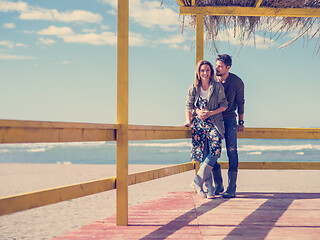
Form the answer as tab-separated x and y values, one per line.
185	215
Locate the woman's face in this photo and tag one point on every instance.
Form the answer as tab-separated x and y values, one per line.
205	72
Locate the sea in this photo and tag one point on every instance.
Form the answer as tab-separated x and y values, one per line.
166	152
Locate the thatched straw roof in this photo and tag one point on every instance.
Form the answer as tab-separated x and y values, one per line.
246	26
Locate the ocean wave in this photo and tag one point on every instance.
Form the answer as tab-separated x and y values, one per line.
65	163
51	145
256	148
4	150
161	145
254	153
36	150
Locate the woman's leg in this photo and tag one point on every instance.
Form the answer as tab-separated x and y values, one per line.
198	181
210	160
214	148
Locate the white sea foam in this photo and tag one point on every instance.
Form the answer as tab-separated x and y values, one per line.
254	153
33	145
4	150
161	145
36	150
254	148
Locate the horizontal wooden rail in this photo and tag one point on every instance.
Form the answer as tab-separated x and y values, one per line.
17	131
280	133
31	200
250	11
26	201
140	132
275	165
16	203
145	176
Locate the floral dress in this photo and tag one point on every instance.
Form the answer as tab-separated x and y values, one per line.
202	131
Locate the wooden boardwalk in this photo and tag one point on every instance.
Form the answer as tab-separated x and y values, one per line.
185	215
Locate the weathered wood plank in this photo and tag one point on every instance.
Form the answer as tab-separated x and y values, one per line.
16	131
276	165
251	11
50	124
145	176
280	133
31	200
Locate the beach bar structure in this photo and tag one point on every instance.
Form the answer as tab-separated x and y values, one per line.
18	131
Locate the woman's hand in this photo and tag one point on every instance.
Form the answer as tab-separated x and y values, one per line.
203	114
187	124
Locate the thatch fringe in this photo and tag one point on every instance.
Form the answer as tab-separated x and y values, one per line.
246	27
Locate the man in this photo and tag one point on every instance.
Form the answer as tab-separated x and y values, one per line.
234	90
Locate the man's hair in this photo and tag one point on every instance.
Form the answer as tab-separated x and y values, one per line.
226	59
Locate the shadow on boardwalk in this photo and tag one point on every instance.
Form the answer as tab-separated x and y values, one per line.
185	215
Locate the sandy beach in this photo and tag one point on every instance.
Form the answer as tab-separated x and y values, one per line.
54	220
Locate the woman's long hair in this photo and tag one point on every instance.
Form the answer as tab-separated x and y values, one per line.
197	79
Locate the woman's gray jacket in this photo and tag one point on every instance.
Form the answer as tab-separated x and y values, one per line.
216	98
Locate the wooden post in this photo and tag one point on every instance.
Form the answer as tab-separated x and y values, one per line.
199	37
122	112
196	167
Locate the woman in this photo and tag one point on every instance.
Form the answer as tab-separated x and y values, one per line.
206	101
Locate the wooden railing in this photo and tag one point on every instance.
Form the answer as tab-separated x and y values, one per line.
17	131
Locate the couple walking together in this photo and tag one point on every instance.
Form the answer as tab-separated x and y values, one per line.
212	102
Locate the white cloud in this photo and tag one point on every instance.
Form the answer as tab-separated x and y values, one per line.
89	30
104	27
112	12
15	57
175	41
90	37
7	6
46	41
186	48
150	14
21	45
9	25
67	34
57	31
137	39
36	13
104	38
10	44
54	15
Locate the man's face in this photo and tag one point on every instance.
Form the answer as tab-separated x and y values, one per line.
221	68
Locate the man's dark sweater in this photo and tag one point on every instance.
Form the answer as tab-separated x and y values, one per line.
234	90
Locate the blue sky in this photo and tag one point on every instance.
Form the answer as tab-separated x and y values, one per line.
58	63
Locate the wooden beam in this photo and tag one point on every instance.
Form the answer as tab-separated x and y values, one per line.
199	37
122	112
137	132
16	203
31	200
275	165
280	133
258	3
145	176
15	131
251	11
5	123
12	131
